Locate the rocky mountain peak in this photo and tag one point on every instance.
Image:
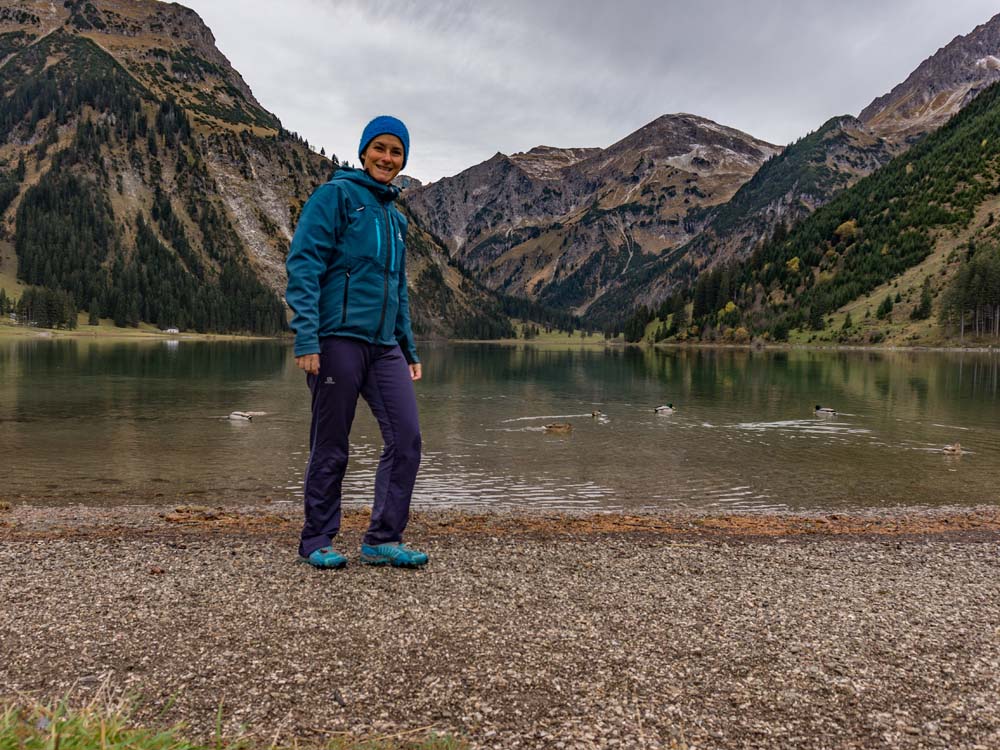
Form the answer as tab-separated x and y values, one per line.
939	87
166	46
681	128
690	143
562	225
405	182
546	162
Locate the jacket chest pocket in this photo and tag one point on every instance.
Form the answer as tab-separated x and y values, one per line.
365	237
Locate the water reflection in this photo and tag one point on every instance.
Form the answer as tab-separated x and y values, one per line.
109	422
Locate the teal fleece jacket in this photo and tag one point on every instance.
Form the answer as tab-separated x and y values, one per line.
347	266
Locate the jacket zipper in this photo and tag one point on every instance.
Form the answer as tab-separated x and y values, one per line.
385	276
347	286
392	245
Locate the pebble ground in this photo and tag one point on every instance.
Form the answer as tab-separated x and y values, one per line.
521	632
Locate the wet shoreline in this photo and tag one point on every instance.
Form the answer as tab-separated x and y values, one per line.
526	630
280	520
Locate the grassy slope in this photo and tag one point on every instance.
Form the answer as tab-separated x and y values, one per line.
557	337
8	270
899	330
97	727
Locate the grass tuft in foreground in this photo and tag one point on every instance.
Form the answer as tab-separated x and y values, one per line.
96	727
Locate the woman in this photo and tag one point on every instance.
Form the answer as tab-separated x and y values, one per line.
347	289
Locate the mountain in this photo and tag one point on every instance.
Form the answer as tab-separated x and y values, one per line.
811	171
561	226
939	87
786	189
557	226
846	149
896	238
139	174
912	218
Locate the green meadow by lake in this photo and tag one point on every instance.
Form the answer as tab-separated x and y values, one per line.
143	422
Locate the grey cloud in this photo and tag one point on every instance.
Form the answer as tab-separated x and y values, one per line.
472	78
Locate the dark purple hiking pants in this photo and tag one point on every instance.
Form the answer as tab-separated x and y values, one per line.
349	367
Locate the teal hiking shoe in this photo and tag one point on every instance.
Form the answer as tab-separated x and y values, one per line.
325	557
396	554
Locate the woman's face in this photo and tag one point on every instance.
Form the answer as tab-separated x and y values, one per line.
383	158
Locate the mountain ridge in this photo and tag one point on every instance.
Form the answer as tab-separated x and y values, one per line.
939	87
592	231
549	218
538	239
131	106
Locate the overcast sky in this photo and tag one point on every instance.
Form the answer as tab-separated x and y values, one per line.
473	77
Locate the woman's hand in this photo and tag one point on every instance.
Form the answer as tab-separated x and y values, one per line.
309	363
416	372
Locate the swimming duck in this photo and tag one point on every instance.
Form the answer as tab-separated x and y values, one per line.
596	413
953	450
668	409
825	411
560	427
240	416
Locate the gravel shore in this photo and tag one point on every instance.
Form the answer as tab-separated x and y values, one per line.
524	631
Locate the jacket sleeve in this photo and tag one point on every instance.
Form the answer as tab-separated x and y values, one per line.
404	331
320	224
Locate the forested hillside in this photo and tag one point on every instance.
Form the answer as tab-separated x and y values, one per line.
141	181
67	237
866	237
118	209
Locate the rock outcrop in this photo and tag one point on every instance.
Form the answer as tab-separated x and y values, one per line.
564	225
939	87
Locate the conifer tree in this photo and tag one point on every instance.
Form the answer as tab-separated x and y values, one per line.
885	308
816	321
923	310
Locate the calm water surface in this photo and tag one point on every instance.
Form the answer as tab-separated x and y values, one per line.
101	422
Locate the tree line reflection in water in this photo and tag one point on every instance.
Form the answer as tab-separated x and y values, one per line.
93	414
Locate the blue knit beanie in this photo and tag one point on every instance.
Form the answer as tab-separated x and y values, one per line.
385	124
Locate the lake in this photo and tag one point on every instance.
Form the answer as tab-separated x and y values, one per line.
104	422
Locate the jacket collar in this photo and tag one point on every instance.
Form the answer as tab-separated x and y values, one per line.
385	193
